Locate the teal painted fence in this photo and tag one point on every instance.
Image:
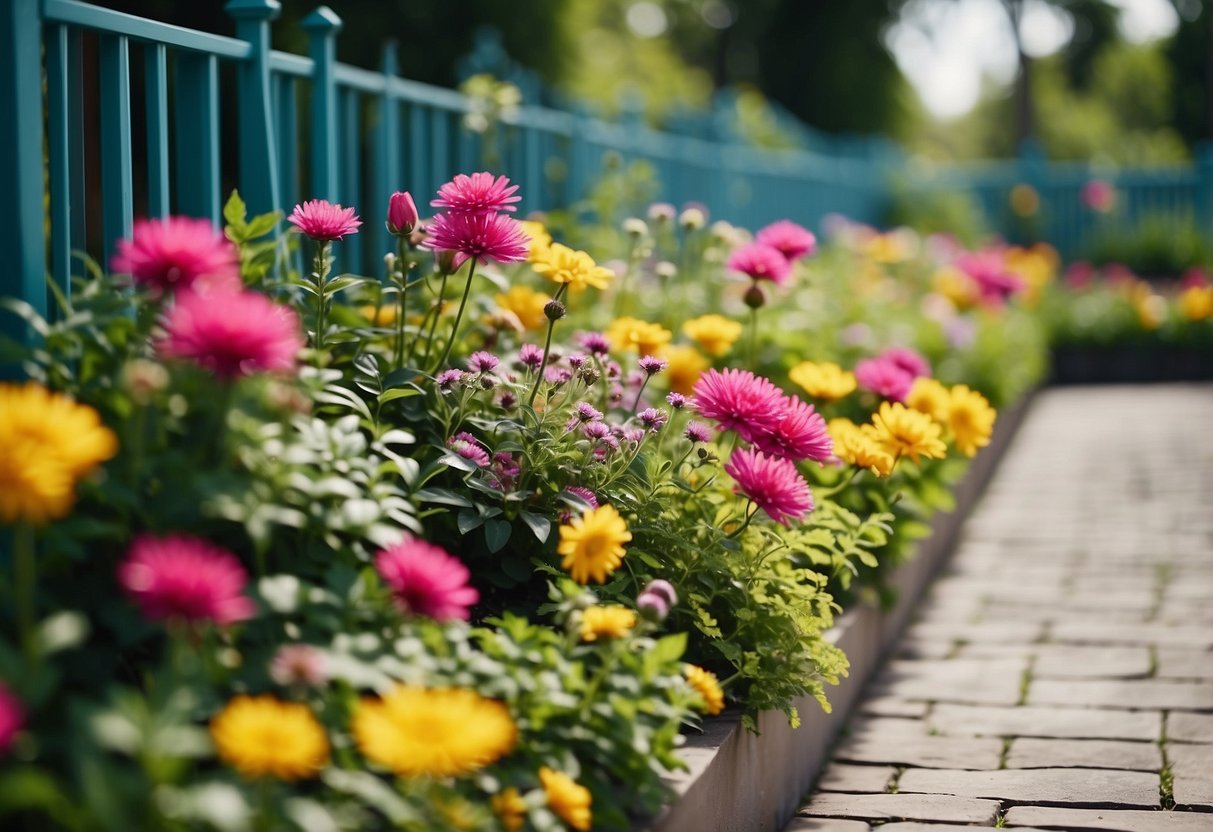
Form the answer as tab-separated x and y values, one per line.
308	126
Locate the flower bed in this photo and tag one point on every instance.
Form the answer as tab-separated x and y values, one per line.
324	550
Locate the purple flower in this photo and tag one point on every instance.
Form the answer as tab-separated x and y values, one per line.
652	365
596	343
469	447
697	432
653	419
447	379
576	360
586	412
482	362
595	431
557	375
530	356
676	401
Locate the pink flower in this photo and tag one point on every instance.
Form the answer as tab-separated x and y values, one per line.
187	578
298	664
232	333
426	580
482	362
801	434
479	193
884	377
1099	196
697	432
789	239
596	342
177	253
402	215
12	717
585	494
1080	274
483	236
988	269
469	447
908	360
739	400
322	220
761	262
773	484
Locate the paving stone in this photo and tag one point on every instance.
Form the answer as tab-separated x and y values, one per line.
1070	661
1000	632
1185	664
1078	786
892	706
1164	694
929	807
843	778
826	825
927	751
993	682
1032	752
1172	636
925	649
914	826
1188	727
887	726
1192	766
1027	721
1108	820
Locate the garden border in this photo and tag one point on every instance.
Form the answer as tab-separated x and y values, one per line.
741	782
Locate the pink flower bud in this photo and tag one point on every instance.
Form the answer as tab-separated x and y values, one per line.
401	214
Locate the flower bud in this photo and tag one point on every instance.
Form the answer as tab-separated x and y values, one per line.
401	214
664	589
692	219
652	607
665	269
754	298
445	260
589	375
143	379
635	226
554	310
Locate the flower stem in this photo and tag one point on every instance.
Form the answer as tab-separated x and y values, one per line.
547	348
749	515
321	273
463	302
753	339
25	584
436	311
402	258
639	393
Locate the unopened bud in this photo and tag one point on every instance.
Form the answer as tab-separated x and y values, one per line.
554	310
589	375
754	298
401	214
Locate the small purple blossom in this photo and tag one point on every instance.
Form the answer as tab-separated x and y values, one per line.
652	606
613	370
636	379
653	419
676	401
482	362
596	343
531	356
505	471
507	400
697	432
468	447
447	379
586	412
664	589
617	392
557	375
596	431
652	365
576	360
633	435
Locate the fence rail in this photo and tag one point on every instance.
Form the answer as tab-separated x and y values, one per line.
303	126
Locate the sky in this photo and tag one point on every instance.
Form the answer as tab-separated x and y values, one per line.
946	47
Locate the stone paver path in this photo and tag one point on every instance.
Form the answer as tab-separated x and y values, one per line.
1060	674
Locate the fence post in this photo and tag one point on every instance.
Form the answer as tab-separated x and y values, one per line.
387	154
1204	187
322	26
21	229
258	148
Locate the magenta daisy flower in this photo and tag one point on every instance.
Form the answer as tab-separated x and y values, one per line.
482	236
908	360
885	378
479	193
469	447
530	355
739	400
12	717
177	253
232	333
182	577
653	418
697	432
482	362
989	271
772	483
789	239
426	580
323	221
760	262
596	342
801	434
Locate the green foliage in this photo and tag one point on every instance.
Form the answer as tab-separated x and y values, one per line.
1159	245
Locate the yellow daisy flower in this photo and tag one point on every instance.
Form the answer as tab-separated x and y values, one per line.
1196	303
379	315
576	268
956	286
606	622
592	544
47	443
684	367
433	732
526	304
634	334
824	380
706	685
540	238
263	736
970	420
854	445
715	334
928	396
905	432
569	801
510	808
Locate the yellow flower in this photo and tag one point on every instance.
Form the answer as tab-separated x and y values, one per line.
540	239
854	445
825	380
970	420
510	808
928	396
1025	201
956	286
905	432
47	443
891	247
705	684
685	366
526	304
606	622
379	315
1151	310
1036	266
641	336
433	732
576	268
568	800
715	334
260	736
592	544
1196	303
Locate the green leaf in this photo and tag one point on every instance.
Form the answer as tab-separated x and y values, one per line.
234	212
443	496
398	393
670	648
468	521
497	534
540	526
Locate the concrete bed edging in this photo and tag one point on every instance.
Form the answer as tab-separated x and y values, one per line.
741	782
